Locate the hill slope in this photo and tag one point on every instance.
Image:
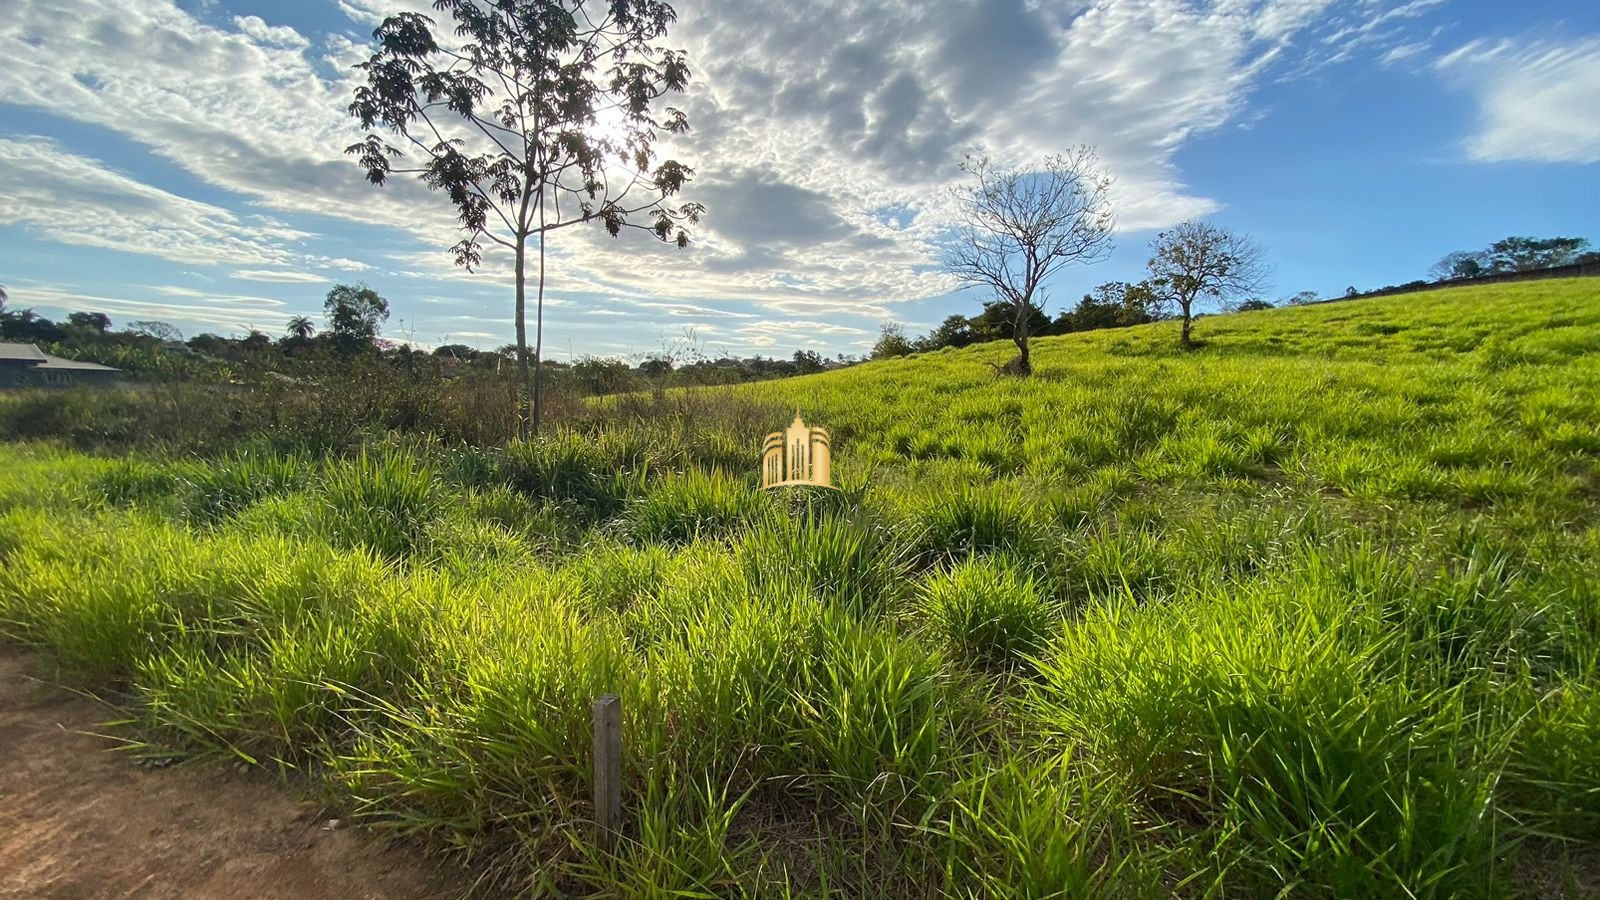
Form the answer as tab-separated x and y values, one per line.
1313	609
1466	394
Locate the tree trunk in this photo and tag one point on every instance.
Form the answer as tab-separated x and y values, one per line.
1019	335
1184	340
522	339
538	333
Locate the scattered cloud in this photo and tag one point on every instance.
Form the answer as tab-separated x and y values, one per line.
226	314
270	35
824	153
1402	52
77	200
274	275
1536	99
793	333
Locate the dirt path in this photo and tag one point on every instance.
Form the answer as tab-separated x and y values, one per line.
81	822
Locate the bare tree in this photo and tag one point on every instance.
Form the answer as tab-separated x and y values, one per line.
507	110
1018	226
161	331
1461	264
672	354
1195	260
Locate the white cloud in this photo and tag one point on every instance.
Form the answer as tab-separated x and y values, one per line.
340	262
262	33
77	200
193	310
792	333
1536	100
279	276
1401	52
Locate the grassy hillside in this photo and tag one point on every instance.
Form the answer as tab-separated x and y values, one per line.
1313	609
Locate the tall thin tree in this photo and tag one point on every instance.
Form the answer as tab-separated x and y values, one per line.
1018	226
531	115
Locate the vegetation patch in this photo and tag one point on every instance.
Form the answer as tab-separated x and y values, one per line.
1309	610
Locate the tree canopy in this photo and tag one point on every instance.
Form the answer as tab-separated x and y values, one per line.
530	115
1198	260
355	315
1513	254
99	323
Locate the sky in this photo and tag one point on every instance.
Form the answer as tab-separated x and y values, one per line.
183	161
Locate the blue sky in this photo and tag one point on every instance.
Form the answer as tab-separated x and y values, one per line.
181	161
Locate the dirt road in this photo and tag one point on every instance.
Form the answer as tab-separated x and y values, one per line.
79	821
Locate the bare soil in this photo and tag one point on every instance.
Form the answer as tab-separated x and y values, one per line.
78	820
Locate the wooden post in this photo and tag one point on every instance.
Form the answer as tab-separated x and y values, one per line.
607	771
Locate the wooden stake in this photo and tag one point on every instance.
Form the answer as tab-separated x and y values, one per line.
607	771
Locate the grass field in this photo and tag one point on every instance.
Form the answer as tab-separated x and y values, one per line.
1312	610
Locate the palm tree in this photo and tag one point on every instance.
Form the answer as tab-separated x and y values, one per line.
300	328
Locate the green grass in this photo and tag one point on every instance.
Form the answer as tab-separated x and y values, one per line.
1312	611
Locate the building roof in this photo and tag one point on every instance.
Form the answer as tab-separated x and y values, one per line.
36	359
57	364
21	352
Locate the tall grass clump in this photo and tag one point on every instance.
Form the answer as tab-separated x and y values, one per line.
988	613
596	473
1019	827
136	482
678	509
951	524
1265	720
226	486
617	576
1551	786
788	688
852	563
385	502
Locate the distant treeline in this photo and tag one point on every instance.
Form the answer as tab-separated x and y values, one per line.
1119	304
1575	270
354	315
1115	304
351	337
